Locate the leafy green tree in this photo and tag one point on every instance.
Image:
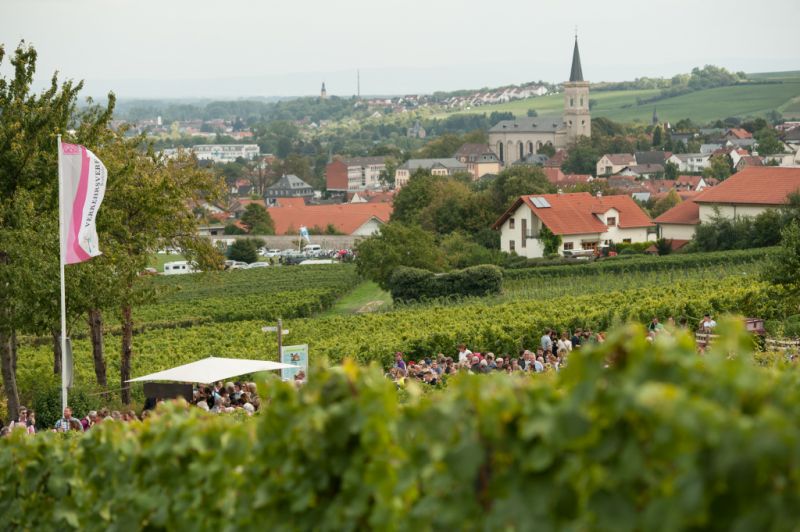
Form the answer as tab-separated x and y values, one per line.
671	170
547	149
397	245
233	229
532	113
244	250
784	267
657	134
719	167
768	142
413	197
581	158
664	204
443	146
259	221
551	241
453	206
514	182
664	246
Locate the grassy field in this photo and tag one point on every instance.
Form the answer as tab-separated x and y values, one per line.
366	297
157	261
701	106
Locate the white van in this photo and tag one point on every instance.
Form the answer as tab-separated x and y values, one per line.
312	249
178	267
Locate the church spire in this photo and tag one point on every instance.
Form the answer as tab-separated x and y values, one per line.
576	74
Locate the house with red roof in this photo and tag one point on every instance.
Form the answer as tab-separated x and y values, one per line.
583	221
749	192
746	193
737	133
679	222
613	163
360	219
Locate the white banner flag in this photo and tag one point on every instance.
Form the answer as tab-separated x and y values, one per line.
83	185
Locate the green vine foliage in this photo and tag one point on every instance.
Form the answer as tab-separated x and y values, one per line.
632	435
552	242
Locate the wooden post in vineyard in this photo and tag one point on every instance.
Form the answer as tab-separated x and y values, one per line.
280	339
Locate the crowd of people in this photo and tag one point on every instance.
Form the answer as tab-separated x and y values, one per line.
550	355
218	398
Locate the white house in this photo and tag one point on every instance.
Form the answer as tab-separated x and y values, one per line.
613	163
749	192
583	221
690	162
226	153
679	222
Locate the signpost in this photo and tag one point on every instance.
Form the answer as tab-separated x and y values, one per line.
277	329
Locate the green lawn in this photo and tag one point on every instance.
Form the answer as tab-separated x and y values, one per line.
366	297
701	106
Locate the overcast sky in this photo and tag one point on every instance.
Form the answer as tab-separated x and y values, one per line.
240	48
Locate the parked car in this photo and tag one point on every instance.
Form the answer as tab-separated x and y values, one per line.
317	261
254	265
269	252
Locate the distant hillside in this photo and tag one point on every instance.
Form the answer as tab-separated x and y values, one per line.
781	93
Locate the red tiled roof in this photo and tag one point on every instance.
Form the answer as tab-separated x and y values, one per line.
571	214
621	158
740	133
757	185
553	174
290	202
691	180
751	160
345	217
684	213
557	159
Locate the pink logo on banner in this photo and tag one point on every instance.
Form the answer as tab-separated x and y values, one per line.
70	149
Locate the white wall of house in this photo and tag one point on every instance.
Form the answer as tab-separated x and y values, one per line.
677	231
732	211
370	227
523	219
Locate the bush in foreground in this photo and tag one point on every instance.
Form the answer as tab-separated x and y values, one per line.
631	436
414	284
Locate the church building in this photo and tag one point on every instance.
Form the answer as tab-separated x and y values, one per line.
512	140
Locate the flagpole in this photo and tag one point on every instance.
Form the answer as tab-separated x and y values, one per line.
62	252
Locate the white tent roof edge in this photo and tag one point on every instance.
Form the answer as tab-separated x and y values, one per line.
212	369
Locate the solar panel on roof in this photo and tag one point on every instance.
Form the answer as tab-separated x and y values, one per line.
540	202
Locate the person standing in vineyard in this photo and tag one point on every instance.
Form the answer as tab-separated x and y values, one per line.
547	342
564	343
576	339
463	353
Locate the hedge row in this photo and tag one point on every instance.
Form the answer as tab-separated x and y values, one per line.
640	263
660	440
414	284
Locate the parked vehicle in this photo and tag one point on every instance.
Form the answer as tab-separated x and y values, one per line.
312	249
317	261
270	253
178	267
254	265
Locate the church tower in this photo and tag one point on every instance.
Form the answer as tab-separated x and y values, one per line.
323	94
577	118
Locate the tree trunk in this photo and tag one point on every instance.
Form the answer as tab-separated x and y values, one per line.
8	363
96	333
56	351
127	353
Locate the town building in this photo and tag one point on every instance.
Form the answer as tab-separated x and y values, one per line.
749	192
583	221
357	219
613	163
447	166
354	174
288	186
679	222
690	162
512	140
226	153
479	158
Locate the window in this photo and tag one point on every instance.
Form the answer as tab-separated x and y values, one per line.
511	223
524	237
611	221
581	101
572	102
568	246
589	245
510	245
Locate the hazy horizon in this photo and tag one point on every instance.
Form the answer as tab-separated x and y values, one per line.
171	50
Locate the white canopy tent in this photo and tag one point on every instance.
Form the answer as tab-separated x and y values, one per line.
213	369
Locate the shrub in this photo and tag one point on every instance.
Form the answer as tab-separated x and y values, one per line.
414	284
632	435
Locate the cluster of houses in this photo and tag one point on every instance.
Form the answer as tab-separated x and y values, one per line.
588	223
